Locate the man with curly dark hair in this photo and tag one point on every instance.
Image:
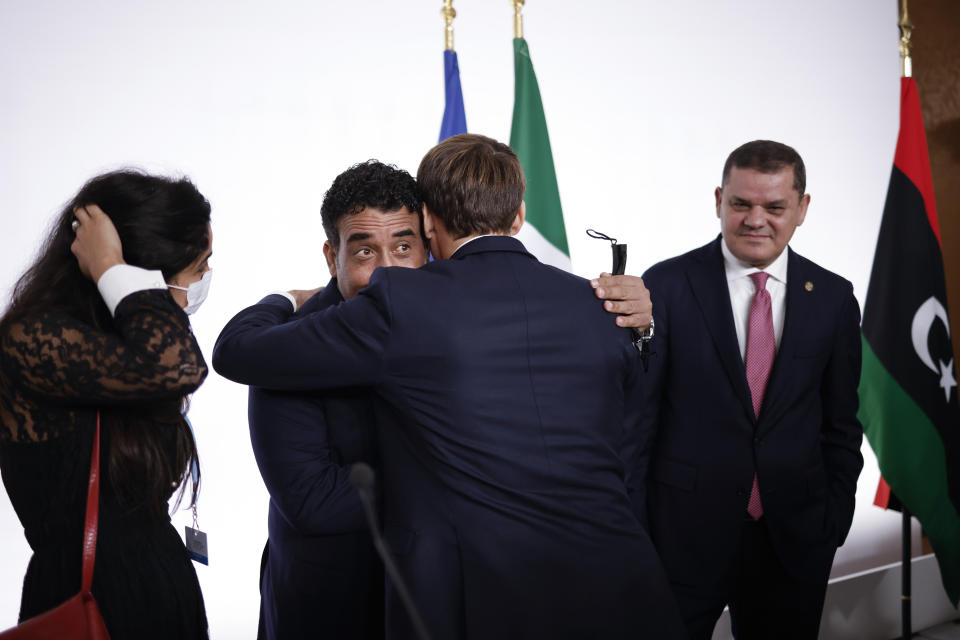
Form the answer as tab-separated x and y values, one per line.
368	199
511	404
320	570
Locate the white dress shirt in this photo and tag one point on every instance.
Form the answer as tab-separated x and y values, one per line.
288	296
742	291
120	280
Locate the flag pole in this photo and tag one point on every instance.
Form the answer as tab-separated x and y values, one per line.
906	29
448	13
905	603
906	71
518	18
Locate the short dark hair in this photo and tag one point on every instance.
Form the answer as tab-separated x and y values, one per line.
368	184
472	183
767	156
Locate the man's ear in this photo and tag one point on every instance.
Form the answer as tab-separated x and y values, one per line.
429	227
331	255
718	196
804	203
518	220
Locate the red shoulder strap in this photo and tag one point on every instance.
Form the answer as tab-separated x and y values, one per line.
93	508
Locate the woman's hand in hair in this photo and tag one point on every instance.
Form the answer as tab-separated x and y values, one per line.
97	245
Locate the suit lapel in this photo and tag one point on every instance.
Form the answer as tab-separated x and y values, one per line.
708	281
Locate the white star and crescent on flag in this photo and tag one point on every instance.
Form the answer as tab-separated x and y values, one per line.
923	319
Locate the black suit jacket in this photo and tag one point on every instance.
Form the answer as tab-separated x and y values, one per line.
520	405
320	575
804	447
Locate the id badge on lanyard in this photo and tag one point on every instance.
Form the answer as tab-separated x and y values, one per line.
196	540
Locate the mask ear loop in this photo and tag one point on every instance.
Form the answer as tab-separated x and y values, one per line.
173	286
619	251
596	235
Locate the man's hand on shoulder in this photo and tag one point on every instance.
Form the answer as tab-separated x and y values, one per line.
626	296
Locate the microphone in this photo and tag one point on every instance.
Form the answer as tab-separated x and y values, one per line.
363	479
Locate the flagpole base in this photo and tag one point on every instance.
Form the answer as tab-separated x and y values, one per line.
905	602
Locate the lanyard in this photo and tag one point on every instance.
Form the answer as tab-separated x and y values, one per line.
195	467
196	540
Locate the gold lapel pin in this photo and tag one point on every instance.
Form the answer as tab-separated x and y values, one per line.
808	286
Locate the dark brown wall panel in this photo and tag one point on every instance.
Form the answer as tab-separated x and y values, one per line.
936	68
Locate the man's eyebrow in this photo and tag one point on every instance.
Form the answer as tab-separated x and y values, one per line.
777	203
404	233
356	237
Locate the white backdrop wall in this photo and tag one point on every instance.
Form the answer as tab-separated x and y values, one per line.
262	105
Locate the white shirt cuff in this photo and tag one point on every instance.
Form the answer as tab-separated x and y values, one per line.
288	296
121	280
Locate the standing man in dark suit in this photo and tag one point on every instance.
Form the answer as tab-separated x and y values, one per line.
519	405
752	393
320	575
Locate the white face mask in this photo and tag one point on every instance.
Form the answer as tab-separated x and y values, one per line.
196	292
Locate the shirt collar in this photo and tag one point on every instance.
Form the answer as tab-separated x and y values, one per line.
469	240
736	268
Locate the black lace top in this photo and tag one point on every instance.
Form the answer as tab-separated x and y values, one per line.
55	374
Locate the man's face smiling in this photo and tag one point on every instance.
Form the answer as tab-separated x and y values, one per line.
758	213
370	239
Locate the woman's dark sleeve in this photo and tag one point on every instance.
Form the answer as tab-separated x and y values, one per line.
152	356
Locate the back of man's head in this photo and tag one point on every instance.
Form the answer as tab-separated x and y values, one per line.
767	156
473	184
370	184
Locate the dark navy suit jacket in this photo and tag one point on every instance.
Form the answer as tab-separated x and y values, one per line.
320	575
804	448
520	409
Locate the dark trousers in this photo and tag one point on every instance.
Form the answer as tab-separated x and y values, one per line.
765	602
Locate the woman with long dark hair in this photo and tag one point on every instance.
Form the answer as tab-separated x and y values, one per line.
97	324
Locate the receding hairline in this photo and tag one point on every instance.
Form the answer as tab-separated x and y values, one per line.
769	171
767	157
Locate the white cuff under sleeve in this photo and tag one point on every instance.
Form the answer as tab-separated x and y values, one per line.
121	280
288	296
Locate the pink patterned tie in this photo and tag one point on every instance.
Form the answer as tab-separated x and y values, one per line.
761	350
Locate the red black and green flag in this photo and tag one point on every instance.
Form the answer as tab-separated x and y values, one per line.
908	388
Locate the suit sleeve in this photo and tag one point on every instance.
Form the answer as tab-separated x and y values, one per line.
842	433
290	441
340	346
645	408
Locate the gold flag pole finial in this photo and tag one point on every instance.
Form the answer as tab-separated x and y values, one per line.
448	13
518	18
906	64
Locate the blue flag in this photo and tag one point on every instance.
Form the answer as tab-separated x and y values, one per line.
454	117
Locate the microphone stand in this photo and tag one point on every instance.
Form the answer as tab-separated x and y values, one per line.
363	478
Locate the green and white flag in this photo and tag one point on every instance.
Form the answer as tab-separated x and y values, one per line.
544	234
